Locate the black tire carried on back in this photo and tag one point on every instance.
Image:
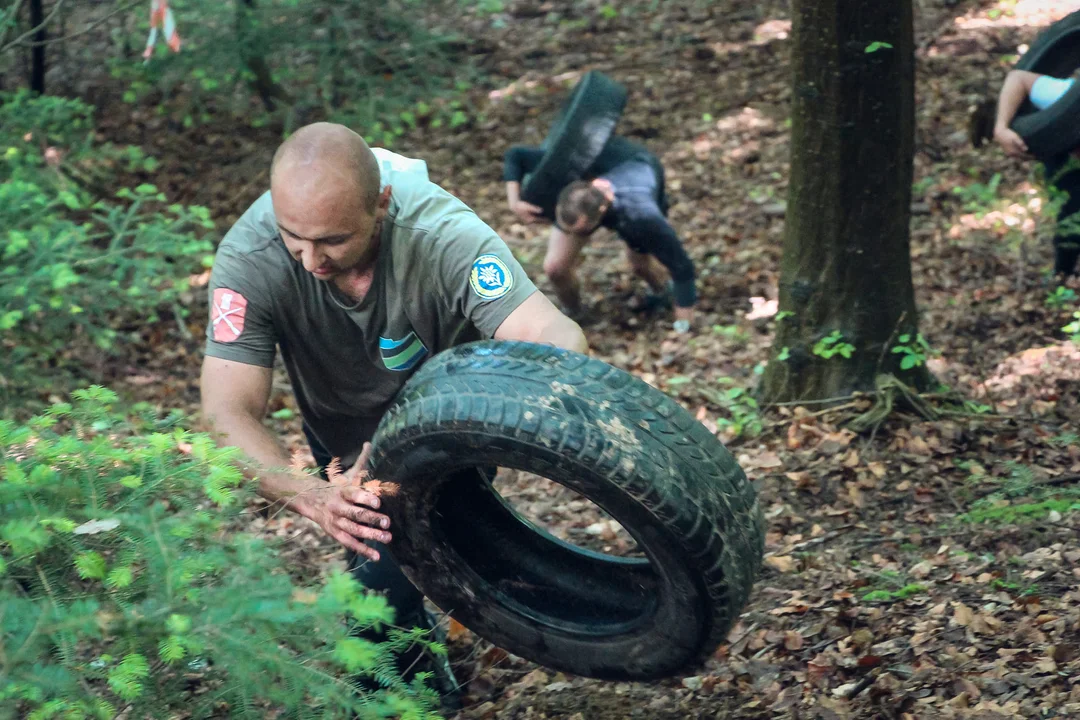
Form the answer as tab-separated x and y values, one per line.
584	125
605	434
1055	52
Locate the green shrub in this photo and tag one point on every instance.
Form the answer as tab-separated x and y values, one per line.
1021	499
30	124
73	266
127	588
370	65
1073	328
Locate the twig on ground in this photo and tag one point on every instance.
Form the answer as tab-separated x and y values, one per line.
949	494
796	403
888	343
814	541
866	682
745	635
185	332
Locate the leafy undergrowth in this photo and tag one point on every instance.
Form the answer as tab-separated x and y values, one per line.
925	568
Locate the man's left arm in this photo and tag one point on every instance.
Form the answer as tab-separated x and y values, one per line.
483	281
537	320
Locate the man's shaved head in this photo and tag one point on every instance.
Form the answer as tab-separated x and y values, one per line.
326	154
324	185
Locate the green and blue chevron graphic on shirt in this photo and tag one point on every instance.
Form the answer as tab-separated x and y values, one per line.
404	354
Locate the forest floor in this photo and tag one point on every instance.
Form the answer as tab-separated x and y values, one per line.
928	570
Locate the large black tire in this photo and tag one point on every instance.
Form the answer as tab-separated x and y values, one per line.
576	139
605	434
1055	52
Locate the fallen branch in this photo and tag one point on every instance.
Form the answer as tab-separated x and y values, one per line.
34	30
840	398
889	390
866	682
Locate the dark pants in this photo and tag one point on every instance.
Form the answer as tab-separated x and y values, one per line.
383	576
1067	238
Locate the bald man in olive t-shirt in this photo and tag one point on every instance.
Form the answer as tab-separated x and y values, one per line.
357	269
442	278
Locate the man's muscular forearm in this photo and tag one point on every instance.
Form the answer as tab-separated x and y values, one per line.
538	321
267	460
346	512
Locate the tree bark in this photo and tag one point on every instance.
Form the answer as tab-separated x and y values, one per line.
37	51
846	263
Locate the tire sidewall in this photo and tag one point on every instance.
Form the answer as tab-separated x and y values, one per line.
664	642
576	139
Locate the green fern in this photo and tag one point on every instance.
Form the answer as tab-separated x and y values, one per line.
171	649
121	564
120	577
355	654
90	566
126	678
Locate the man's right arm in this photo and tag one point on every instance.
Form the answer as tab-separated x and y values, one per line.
518	162
234	401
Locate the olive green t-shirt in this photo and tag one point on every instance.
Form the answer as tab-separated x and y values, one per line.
442	278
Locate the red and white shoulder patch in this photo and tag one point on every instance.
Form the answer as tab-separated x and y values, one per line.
228	314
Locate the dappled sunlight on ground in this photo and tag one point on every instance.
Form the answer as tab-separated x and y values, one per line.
567	79
1047	366
772	30
1018	13
1015	217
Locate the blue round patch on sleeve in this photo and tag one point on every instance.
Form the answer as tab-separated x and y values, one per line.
490	278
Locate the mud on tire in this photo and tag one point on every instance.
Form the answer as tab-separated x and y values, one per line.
605	434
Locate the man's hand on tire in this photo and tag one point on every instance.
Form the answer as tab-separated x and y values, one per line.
528	212
346	511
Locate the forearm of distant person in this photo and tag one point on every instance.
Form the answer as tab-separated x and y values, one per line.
1014	91
1016	88
513	193
518	161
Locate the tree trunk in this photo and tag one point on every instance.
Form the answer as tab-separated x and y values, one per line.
272	95
37	51
846	263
